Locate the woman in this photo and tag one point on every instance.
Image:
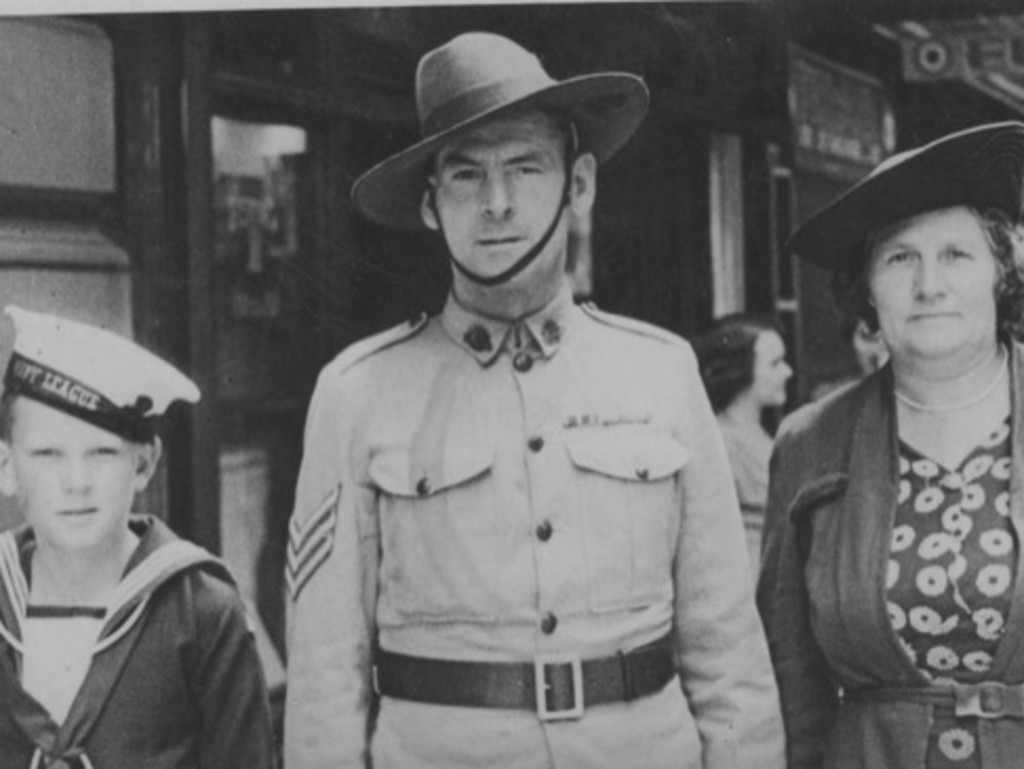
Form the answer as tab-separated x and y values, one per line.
891	588
743	365
120	644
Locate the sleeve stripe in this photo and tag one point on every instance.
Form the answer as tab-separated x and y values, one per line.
298	558
298	577
300	529
310	543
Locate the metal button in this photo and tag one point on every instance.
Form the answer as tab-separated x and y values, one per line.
522	362
643	473
423	487
548	623
536	443
544	531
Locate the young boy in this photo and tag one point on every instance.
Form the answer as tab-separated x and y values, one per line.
121	645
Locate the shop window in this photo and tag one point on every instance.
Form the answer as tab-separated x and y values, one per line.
264	279
258	169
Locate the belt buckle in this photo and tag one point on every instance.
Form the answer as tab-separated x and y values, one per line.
989	699
541	666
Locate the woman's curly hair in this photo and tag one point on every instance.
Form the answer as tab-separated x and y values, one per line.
725	352
850	282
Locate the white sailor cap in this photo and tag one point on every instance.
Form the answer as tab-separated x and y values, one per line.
93	374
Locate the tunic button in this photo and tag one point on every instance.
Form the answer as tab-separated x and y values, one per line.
522	362
544	531
548	623
535	443
642	473
423	487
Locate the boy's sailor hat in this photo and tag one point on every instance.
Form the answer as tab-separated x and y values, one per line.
93	374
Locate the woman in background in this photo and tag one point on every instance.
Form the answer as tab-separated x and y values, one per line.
743	365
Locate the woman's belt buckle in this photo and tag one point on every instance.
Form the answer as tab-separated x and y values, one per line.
989	699
558	682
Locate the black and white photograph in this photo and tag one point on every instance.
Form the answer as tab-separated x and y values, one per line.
579	385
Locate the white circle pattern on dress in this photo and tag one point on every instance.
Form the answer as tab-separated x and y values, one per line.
996	542
957	744
948	578
932	580
892	574
978	661
904	492
993	579
942	658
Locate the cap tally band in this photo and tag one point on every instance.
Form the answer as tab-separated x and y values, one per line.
52	388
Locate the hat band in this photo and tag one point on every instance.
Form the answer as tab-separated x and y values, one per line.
475	102
52	388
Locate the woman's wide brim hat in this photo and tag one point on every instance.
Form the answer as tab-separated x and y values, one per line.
981	167
477	77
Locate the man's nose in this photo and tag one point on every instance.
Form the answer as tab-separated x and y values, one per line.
497	197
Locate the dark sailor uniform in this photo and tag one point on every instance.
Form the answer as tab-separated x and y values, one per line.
174	681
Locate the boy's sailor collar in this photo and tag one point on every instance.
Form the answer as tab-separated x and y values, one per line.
485	337
159	555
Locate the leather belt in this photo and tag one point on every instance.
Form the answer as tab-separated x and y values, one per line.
987	699
556	687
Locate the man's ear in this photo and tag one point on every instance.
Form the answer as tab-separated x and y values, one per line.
146	460
427	211
8	477
584	184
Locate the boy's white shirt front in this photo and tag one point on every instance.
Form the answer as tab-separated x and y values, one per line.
58	652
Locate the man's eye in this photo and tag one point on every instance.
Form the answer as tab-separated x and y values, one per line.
465	175
44	453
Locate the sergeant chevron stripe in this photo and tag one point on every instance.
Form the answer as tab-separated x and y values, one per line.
310	541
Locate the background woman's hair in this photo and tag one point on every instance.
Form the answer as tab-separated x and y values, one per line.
850	282
725	352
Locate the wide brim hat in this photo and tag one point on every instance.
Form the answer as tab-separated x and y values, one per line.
982	167
477	77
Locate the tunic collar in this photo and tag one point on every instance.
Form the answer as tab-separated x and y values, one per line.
485	338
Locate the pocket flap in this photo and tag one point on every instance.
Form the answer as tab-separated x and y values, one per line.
817	492
395	472
629	458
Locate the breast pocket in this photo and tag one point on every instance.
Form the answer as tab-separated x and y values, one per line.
438	536
819	494
629	506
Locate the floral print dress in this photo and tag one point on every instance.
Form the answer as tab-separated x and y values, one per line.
950	573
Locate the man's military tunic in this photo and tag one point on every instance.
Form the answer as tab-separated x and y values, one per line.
476	490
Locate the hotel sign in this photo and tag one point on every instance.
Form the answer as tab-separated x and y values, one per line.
842	121
953	56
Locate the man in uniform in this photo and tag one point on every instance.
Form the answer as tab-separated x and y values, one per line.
516	541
